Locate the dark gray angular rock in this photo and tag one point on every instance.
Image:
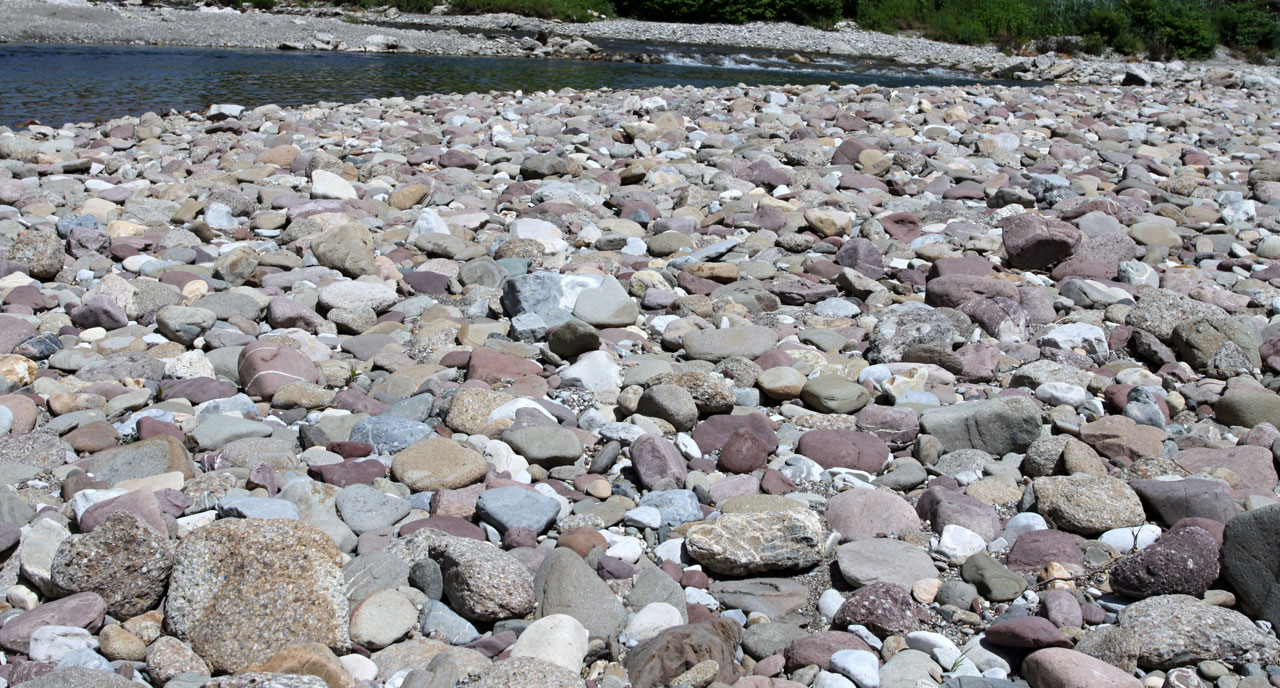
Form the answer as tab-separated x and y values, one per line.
1251	561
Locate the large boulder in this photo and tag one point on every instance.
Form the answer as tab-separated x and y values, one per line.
243	589
996	426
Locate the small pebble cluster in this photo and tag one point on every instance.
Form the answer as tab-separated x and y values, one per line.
752	387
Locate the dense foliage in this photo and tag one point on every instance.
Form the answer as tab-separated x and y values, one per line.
1161	28
815	12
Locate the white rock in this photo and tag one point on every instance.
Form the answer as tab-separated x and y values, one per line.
86	498
218	110
22	597
643	517
1060	393
35	555
543	232
627	549
430	222
653	619
672	549
1025	522
219	216
6	420
826	679
1126	540
358	294
829	602
559	639
193	522
573	285
595	371
702	597
958	541
1079	335
360	667
329	185
51	643
188	365
508	410
927	642
859	666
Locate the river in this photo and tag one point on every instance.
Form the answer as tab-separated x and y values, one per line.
53	84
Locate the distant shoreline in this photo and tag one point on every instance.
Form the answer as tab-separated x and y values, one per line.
39	21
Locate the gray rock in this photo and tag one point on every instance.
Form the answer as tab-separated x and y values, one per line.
1251	562
765	639
675	506
364	508
747	341
880	560
517	507
545	445
996	426
992	579
217	431
381	570
389	434
437	620
608	305
1176	630
565	584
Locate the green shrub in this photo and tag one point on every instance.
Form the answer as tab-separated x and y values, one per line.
813	12
1104	27
1247	25
889	16
1177	28
567	10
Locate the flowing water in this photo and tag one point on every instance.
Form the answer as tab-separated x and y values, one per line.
54	84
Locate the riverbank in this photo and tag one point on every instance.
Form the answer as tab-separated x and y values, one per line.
330	29
755	387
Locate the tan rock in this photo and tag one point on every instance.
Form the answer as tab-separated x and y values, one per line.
436	463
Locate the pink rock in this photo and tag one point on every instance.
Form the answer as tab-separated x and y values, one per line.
817	648
952	291
82	610
770	666
265	367
1035	550
845	449
657	460
870	512
140	502
1253	465
1057	667
1026	632
1034	242
491	366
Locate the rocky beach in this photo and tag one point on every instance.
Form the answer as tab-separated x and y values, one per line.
749	387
